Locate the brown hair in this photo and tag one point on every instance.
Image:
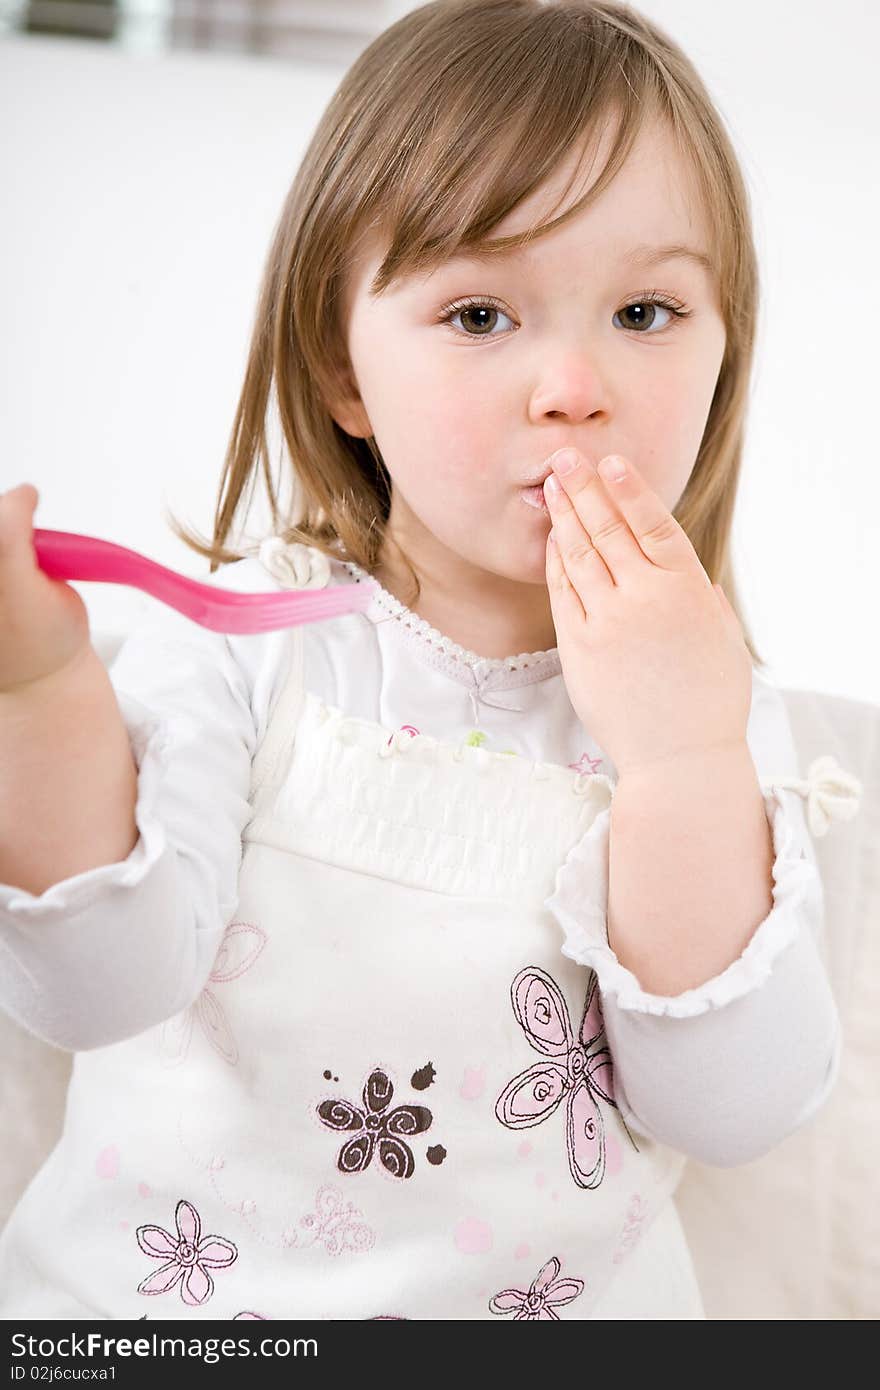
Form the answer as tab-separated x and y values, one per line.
445	122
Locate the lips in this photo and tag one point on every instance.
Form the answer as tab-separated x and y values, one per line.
539	481
534	496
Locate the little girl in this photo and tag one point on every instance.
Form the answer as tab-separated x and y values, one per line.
451	928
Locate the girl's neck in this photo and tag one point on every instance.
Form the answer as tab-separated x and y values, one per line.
500	618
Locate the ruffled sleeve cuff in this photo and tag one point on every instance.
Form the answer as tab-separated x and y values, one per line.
579	902
150	744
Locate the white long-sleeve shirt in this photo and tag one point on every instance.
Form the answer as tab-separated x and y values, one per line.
722	1072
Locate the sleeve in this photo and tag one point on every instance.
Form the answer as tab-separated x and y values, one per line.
724	1071
105	954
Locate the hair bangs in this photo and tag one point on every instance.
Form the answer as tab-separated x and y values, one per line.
486	151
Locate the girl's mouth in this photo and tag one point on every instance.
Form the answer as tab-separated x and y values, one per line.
534	496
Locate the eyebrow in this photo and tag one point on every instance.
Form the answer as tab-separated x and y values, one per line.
653	255
637	255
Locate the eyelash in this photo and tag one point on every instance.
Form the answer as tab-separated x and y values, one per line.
488	301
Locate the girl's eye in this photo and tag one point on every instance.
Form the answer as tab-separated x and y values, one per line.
644	309
481	315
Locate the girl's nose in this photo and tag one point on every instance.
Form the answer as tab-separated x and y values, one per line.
572	387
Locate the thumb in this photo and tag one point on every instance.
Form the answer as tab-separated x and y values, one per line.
17	507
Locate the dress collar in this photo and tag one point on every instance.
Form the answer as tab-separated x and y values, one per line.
443	654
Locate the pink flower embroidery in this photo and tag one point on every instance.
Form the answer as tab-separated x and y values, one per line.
187	1256
578	1070
241	945
536	1305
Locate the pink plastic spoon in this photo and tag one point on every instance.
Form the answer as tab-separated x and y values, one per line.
66	555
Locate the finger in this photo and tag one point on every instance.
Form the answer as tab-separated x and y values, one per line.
18	497
17	507
583	564
657	533
565	602
607	528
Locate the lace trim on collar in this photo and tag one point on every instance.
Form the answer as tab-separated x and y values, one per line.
391	605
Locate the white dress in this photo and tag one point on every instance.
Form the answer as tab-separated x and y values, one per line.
351	1042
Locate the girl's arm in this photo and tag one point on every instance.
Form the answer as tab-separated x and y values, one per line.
690	868
728	1066
68	781
114	949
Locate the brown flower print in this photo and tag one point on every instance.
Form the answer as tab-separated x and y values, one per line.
372	1127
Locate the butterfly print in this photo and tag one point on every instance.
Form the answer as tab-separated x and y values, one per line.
241	945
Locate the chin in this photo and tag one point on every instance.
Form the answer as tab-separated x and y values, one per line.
530	569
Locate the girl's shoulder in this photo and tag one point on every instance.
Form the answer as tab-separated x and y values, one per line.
174	666
264	659
294	565
276	564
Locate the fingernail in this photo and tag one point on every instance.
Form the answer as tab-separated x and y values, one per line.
566	461
613	468
552	487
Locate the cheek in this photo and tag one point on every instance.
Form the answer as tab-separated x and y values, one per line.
468	446
668	435
675	411
458	442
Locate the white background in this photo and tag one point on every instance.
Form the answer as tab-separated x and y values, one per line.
140	193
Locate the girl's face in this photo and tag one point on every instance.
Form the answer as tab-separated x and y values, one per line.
559	345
